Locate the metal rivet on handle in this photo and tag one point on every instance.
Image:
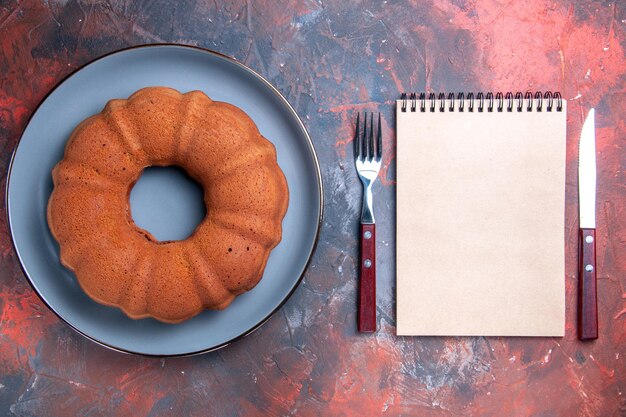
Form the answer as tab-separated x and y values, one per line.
589	239
589	268
367	235
367	263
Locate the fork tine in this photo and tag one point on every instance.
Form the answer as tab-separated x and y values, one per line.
357	137
370	142
379	141
364	142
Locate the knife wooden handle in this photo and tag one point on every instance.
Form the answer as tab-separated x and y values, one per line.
587	286
367	285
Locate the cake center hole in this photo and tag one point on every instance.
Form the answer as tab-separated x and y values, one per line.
167	202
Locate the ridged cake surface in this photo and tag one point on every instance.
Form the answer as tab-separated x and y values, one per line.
119	264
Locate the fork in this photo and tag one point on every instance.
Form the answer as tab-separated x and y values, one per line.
367	155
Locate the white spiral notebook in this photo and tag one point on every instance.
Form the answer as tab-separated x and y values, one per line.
480	214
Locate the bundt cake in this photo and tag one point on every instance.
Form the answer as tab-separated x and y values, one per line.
119	264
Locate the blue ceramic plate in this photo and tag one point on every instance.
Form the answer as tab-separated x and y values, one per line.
118	75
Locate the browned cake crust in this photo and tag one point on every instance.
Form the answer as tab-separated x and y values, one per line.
122	265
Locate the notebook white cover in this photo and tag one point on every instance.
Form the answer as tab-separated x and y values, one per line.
480	222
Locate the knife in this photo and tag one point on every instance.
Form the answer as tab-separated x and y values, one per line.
587	287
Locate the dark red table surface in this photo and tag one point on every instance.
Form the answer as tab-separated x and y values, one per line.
332	59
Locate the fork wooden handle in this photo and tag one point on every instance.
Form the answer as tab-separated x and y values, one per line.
367	285
587	286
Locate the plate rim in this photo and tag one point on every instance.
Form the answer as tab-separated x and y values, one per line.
275	92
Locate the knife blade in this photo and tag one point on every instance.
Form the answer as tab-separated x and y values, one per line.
587	282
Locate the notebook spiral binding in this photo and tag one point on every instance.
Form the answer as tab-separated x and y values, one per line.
520	102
